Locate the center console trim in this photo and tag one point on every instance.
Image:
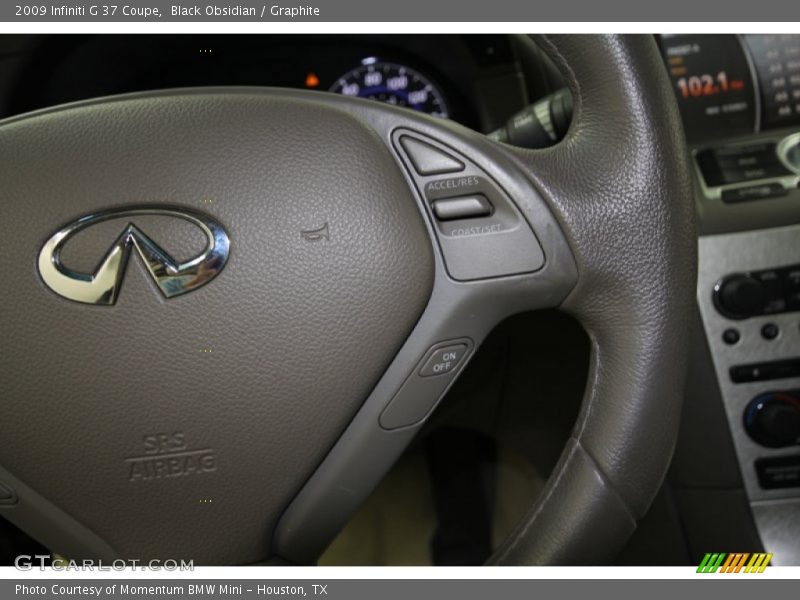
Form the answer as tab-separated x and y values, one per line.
720	255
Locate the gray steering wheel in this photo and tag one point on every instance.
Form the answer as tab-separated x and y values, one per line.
227	311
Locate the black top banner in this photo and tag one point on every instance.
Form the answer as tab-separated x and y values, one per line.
739	11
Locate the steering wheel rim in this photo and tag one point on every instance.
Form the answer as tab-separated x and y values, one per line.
609	209
634	300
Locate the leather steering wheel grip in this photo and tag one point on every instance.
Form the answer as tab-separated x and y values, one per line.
620	186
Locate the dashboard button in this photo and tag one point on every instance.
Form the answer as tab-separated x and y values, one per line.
753	192
748	160
740	296
426	384
774	296
778	369
443	360
465	207
731	336
777	473
738	175
428	160
773	419
770	331
739	164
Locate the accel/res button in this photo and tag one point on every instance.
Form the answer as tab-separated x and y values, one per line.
428	160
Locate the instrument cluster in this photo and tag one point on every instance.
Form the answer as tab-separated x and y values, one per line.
392	83
431	74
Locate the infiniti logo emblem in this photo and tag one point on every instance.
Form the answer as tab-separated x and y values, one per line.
171	277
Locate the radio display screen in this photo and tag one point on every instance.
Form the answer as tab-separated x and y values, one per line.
777	62
712	81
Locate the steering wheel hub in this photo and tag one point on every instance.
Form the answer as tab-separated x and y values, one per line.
159	418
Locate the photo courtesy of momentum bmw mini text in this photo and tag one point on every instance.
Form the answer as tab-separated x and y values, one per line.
356	299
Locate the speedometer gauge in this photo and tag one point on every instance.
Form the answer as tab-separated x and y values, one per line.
393	84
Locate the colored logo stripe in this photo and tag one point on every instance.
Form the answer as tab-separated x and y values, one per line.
758	563
734	562
710	563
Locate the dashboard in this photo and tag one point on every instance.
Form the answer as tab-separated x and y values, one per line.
739	98
476	80
725	85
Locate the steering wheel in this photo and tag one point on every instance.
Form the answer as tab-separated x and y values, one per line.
227	311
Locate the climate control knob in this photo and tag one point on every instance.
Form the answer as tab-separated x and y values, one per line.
740	296
773	419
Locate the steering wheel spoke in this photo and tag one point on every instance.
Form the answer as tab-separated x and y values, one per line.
499	252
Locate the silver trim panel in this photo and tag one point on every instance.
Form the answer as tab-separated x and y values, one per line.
720	255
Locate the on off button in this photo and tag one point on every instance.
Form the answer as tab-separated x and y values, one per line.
443	360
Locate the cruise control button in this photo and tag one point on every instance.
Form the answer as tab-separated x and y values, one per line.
443	360
426	384
465	207
429	160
